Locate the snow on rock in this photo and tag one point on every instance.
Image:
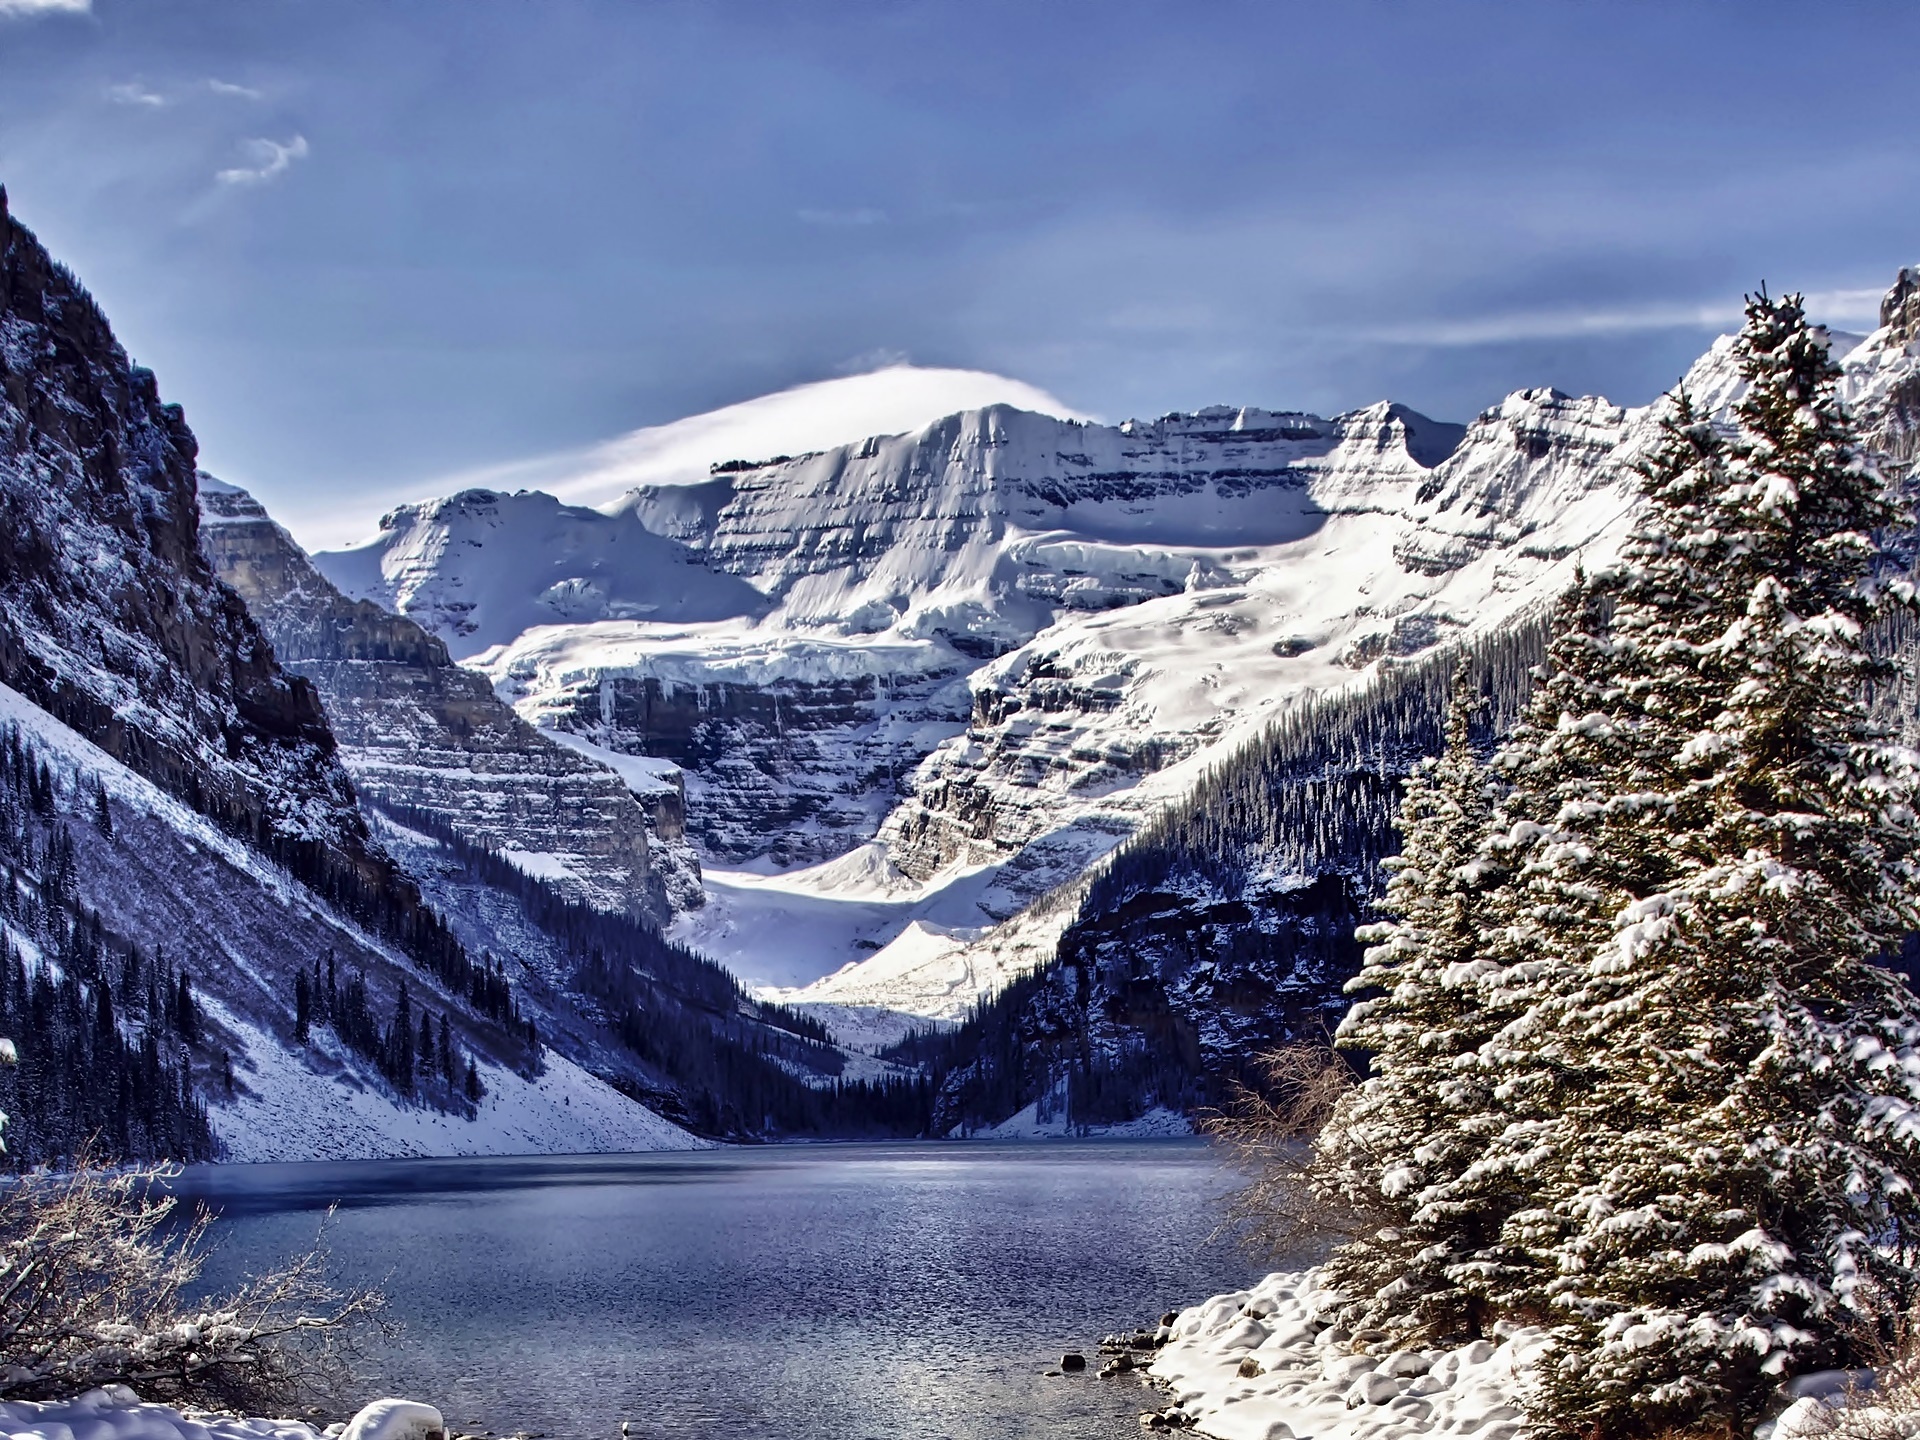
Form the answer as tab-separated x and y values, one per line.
1263	1364
392	1419
480	568
798	421
115	1413
931	952
415	730
240	922
864	1029
997	643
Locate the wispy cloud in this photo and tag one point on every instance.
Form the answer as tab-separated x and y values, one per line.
270	160
26	9
861	216
133	94
865	363
238	92
1831	307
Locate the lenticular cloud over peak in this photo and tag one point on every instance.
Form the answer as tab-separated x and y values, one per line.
815	416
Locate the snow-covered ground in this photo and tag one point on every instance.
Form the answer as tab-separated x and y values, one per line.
1159	1123
1268	1364
868	951
779	929
1263	1364
114	1412
290	1113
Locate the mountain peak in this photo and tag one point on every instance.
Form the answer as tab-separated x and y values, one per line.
1900	311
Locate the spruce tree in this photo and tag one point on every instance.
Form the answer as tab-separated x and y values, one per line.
1733	1197
1582	780
1424	1113
302	1007
186	1014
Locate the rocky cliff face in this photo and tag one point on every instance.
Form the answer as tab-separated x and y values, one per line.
418	732
1227	926
1095	726
112	620
196	791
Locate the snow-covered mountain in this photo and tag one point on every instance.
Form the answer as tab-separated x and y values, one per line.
192	802
962	663
992	645
1227	924
893	399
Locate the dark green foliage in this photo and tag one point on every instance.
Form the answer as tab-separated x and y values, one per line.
416	1064
1318	790
1188	954
96	1068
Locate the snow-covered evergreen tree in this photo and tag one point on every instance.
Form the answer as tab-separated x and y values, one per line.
1732	1191
1426	1111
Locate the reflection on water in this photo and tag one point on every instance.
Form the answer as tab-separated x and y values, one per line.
899	1291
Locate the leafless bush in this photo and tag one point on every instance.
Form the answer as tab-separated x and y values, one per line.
94	1275
1268	1128
1882	1400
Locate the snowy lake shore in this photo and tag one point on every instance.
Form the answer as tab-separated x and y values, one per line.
115	1412
1268	1364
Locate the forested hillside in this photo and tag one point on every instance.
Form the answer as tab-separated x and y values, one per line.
1226	925
115	1029
649	1016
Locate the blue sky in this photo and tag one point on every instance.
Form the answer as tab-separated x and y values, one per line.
369	245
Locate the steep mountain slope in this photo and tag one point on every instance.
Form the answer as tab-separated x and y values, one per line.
419	732
165	884
189	817
111	620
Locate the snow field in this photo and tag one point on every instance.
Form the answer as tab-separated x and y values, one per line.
1157	1124
115	1413
294	1114
1262	1364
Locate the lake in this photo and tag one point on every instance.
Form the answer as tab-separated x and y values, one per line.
858	1292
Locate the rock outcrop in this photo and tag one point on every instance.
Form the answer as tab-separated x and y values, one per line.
417	732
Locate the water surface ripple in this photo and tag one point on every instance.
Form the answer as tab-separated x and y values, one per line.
858	1292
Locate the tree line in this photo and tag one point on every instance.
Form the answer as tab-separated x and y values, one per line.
727	1065
428	1063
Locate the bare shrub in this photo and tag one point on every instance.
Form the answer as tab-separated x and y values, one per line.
94	1275
1881	1401
1268	1127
